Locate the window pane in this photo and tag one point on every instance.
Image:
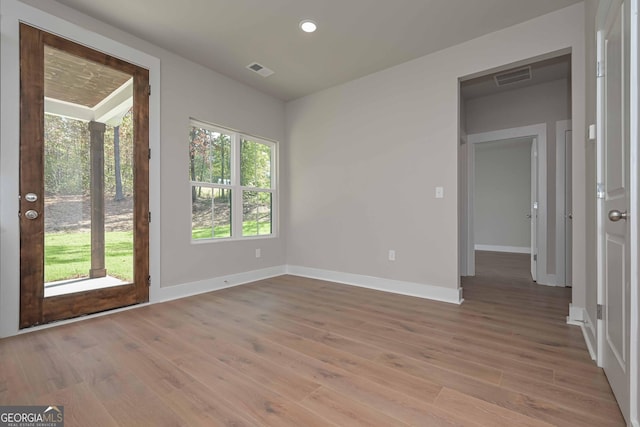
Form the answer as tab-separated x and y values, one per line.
222	213
255	164
256	213
211	213
210	156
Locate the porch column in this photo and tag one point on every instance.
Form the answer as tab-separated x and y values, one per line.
96	131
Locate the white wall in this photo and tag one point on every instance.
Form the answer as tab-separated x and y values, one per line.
186	90
544	103
359	179
503	194
366	156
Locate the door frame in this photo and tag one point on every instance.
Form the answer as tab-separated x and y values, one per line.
634	201
563	241
12	13
35	308
538	131
634	194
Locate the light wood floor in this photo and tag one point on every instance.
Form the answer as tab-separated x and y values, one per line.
301	352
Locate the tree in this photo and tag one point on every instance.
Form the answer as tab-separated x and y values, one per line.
209	154
116	157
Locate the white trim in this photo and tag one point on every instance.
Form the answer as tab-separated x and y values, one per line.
470	213
589	342
420	290
463	253
599	202
511	249
215	284
538	131
561	243
634	194
578	316
234	185
13	12
436	293
179	291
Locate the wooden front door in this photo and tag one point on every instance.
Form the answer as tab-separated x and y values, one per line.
84	199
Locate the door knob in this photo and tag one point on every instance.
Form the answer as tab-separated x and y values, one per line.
31	214
529	216
615	215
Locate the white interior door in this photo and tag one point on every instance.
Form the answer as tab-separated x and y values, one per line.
614	295
568	209
533	216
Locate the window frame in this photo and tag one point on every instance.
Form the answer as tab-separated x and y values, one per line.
236	189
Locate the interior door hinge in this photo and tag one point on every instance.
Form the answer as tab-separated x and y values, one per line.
600	190
148	280
149	216
149	90
599	312
599	69
535	257
149	153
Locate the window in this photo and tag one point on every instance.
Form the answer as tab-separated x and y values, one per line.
232	184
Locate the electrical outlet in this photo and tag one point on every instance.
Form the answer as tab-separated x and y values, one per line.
258	253
392	255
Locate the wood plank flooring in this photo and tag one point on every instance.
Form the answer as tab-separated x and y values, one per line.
291	351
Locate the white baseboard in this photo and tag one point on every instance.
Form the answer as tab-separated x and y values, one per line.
158	295
511	249
549	280
578	316
215	284
437	293
175	292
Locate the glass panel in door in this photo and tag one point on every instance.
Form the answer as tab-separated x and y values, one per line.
88	175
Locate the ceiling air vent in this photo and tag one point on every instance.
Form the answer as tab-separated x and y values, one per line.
260	69
513	76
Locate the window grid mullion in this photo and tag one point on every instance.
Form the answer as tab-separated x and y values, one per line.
258	189
211	185
235	187
236	194
213	215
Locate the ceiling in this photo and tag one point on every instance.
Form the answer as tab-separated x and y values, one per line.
354	37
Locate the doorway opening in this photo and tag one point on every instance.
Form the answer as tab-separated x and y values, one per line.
84	181
515	168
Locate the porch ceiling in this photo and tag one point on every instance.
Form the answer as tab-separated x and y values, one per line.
81	89
76	80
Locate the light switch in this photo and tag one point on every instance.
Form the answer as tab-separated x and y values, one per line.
592	132
439	192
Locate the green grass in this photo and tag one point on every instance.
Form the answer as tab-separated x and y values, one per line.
249	228
68	255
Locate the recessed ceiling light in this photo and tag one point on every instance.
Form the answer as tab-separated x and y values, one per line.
308	26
